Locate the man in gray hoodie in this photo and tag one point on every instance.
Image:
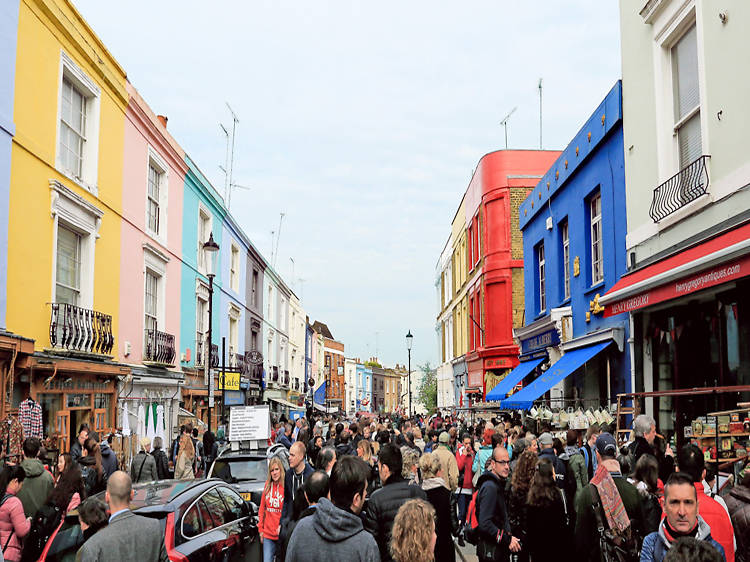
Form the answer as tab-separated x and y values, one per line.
335	531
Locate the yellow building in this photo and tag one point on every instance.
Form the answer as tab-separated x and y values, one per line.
64	224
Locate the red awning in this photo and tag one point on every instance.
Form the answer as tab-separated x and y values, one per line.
719	260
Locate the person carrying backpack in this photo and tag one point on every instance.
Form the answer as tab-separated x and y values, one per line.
609	513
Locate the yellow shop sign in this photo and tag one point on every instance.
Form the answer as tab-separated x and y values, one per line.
231	380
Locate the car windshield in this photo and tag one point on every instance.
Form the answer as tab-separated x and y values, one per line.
239	469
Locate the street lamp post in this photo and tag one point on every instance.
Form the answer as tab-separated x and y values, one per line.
409	339
212	249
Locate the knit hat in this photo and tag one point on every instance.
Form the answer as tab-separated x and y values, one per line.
545	438
444	437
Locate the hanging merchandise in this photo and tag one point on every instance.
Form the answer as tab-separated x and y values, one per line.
11	438
141	421
590	417
30	415
160	424
125	420
565	418
151	421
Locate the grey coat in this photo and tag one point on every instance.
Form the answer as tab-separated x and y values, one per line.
127	537
148	473
331	534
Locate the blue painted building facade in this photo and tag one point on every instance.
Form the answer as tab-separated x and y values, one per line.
574	227
8	40
363	391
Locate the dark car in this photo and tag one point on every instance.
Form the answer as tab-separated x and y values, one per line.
245	471
203	520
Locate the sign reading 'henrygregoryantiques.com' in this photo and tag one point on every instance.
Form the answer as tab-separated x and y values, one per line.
249	423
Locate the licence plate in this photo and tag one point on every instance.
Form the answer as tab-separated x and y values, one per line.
246	496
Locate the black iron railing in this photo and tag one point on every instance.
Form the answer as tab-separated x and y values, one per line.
287	378
79	329
241	362
685	186
159	347
199	355
275	375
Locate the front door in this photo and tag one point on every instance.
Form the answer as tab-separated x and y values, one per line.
62	426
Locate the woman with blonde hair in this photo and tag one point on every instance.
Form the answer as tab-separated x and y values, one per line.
271	504
185	458
364	452
413	536
446	522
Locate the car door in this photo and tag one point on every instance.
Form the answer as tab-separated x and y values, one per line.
195	530
243	537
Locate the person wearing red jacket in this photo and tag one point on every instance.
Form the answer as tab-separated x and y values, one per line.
271	504
690	461
14	526
465	459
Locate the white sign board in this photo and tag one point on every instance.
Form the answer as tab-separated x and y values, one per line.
247	423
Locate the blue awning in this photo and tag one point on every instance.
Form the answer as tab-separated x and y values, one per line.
319	397
502	388
570	362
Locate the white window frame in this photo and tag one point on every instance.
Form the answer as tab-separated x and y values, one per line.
149	274
233	322
234	267
680	122
201	294
155	262
565	237
157	162
201	253
597	251
542	272
74	212
71	72
79	243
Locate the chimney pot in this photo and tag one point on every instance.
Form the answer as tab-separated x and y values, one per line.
163	119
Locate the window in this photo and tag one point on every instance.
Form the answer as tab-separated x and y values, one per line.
68	272
270	300
686	97
151	301
201	322
541	272
234	331
154	186
234	502
234	269
475	242
597	264
72	128
215	506
254	340
471	246
565	240
204	231
254	296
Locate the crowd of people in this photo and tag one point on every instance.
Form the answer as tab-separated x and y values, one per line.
416	490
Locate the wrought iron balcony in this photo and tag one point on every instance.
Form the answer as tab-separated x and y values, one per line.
159	347
241	362
685	186
287	379
199	355
79	329
275	375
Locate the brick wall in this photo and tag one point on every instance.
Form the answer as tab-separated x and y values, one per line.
517	196
518	297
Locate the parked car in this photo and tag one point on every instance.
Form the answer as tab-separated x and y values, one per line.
245	471
202	520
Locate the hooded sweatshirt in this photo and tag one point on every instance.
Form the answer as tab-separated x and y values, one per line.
331	534
656	545
109	459
36	487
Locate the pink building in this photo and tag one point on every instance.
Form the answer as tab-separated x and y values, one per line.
152	199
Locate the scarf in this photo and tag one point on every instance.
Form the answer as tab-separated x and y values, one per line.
614	509
671	535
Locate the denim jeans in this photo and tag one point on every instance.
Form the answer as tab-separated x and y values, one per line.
269	549
463	501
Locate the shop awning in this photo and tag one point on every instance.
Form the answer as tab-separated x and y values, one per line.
719	260
331	410
502	388
319	397
286	403
570	362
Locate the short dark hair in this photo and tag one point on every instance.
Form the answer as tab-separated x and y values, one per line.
679	478
390	456
691	462
348	478
325	456
571	437
195	432
317	486
353	427
82	427
31	446
497	439
339	428
688	549
93	512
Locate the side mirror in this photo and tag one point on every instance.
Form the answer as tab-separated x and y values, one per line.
252	508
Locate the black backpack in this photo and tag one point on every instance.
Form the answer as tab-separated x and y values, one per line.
45	521
613	547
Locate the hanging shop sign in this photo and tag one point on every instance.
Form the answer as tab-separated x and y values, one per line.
550	338
229	381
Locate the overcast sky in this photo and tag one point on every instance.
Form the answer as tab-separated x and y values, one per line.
362	122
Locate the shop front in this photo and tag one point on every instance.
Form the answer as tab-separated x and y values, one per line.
195	398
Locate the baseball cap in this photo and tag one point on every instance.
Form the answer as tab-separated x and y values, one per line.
606	445
444	437
545	438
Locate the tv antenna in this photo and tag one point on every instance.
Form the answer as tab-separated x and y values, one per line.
504	123
275	248
228	167
540	114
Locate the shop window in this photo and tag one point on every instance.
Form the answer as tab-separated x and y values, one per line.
102	401
51	404
78	401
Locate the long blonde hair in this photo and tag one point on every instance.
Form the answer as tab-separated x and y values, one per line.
366	449
186	446
275	461
411	536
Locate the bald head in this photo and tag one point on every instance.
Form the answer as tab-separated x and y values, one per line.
119	490
297	456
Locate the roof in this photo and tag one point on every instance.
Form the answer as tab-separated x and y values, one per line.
322	329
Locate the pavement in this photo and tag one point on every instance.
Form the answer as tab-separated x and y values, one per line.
467	553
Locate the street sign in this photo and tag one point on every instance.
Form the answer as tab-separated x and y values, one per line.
247	423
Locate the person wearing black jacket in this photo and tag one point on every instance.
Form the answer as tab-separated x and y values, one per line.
496	541
383	505
344	448
295	478
162	464
315	487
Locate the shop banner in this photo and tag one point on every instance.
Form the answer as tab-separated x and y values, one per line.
229	381
544	340
687	285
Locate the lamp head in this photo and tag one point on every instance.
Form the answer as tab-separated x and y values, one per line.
409	339
212	249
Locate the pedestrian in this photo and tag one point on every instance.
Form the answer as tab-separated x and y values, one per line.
326	459
738	502
14	525
92	469
614	493
305	504
316	444
334	531
546	442
185	458
418	441
127	536
690	461
160	458
446	520
644	429
589	450
64	462
484	453
109	458
645	478
364	452
464	461
76	450
576	462
447	460
294	478
210	448
414	537
385	502
688	549
520	482
200	460
410	466
496	540
271	504
432	442
547	521
143	467
344	447
681	504
39	482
